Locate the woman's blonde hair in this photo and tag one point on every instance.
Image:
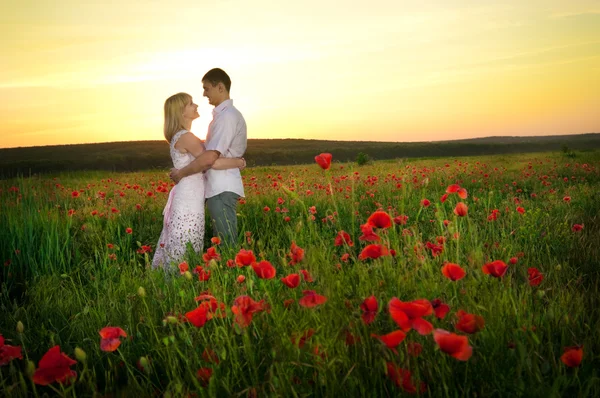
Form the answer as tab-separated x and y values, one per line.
174	106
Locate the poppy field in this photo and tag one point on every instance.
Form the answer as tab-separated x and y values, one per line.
470	276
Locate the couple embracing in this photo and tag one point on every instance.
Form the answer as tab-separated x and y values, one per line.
209	169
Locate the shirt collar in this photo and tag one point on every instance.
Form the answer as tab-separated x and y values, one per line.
222	106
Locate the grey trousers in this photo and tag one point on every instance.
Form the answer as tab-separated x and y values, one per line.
222	212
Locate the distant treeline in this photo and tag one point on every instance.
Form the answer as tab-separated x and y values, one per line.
145	155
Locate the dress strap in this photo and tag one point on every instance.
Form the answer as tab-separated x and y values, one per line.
177	136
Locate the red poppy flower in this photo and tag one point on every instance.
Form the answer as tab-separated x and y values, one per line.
203	275
288	302
197	317
54	366
577	227
343	238
264	269
373	251
211	254
210	356
244	258
521	210
452	188
307	277
369	307
413	309
443	197
244	307
240	279
461	209
144	249
296	254
128	231
183	267
572	356
324	160
215	240
421	326
110	338
368	234
453	344
351	339
462	193
454	272
414	349
204	375
403	378
391	340
311	299
497	268
292	281
535	276
425	203
469	323
380	219
436	250
301	340
408	315
75	194
439	308
8	352
401	220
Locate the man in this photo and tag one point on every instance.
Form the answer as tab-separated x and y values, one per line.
226	137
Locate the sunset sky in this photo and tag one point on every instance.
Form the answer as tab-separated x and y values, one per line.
74	72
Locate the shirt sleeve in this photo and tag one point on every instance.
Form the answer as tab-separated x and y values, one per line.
222	135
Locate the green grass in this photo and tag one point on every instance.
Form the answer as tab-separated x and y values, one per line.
64	283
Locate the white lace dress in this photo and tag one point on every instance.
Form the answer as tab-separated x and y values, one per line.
183	215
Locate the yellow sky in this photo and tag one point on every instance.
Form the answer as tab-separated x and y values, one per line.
74	71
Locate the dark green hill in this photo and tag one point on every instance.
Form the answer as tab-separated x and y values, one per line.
144	155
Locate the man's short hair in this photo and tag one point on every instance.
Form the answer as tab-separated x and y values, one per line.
216	76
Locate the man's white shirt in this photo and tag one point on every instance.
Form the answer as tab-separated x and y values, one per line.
226	134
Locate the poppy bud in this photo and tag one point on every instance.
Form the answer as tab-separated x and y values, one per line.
20	327
212	263
141	292
171	319
144	364
80	354
30	369
541	293
188	275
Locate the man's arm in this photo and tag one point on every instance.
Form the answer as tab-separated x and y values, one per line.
200	164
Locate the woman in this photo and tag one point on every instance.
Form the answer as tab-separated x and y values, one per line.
184	213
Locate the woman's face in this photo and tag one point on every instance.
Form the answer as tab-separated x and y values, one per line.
190	111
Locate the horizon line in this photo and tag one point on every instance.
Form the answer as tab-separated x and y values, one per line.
314	139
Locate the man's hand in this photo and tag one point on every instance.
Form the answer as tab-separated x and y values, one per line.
175	176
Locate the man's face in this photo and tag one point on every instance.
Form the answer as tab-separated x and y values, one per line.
212	93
